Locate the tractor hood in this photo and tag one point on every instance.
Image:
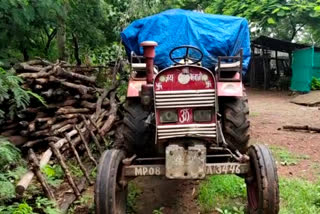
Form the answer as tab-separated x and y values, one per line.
214	35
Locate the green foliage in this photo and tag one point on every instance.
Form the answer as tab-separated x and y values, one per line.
224	193
315	83
75	169
133	193
47	206
54	174
158	211
12	96
41	205
299	196
285	157
85	200
9	154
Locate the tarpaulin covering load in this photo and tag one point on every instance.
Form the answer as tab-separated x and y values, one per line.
214	35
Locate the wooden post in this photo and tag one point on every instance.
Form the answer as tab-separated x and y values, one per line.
82	167
86	145
65	169
36	168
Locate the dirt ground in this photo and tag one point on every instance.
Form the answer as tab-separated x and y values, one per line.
269	111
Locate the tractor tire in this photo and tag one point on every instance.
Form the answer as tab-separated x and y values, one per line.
235	122
262	182
138	135
110	197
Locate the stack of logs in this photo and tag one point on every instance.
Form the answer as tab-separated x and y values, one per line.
68	93
76	113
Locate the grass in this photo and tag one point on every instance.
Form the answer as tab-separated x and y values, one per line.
227	195
285	157
222	193
133	193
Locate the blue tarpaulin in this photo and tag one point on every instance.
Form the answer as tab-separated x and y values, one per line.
214	35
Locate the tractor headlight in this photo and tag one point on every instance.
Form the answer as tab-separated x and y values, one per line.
168	116
202	115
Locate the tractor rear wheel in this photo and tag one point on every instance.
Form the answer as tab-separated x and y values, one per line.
110	195
262	182
235	122
137	133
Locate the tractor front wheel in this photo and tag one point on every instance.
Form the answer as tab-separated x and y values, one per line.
235	122
262	182
110	195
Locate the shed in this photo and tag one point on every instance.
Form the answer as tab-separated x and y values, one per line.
271	62
305	65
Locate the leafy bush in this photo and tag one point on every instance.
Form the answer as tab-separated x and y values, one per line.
9	154
12	94
54	174
315	83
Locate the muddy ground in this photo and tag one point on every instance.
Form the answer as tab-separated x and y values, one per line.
269	111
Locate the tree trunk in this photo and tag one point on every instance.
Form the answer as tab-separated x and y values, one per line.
76	49
61	38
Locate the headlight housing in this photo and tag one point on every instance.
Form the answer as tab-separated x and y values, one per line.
202	115
168	116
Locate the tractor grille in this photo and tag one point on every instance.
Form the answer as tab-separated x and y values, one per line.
188	130
185	98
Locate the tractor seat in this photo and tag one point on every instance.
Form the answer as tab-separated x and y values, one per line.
232	65
141	67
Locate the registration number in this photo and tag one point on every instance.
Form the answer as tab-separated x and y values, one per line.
226	168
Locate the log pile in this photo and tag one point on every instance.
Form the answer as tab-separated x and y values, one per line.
77	112
69	93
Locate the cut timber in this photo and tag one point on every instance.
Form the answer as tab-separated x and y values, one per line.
113	115
303	128
74	75
36	168
71	110
65	169
310	99
76	154
84	141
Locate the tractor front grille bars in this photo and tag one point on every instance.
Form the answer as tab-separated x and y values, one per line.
185	98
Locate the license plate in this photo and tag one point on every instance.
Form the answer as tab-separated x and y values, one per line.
226	168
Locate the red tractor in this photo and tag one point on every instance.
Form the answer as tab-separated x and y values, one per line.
186	122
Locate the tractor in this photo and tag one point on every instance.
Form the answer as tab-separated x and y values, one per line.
186	121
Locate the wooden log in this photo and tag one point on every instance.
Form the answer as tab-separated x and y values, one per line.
76	154
17	140
74	75
41	133
65	168
81	88
67	116
305	128
63	129
113	115
68	199
71	110
36	169
45	157
40	74
42	80
63	123
85	143
93	136
32	143
100	100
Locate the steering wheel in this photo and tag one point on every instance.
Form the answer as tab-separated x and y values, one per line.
186	57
